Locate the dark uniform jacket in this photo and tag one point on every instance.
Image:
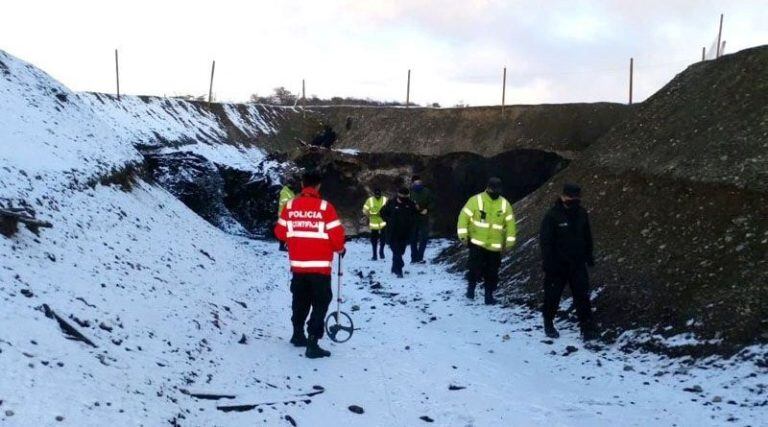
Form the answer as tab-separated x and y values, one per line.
424	199
401	218
565	238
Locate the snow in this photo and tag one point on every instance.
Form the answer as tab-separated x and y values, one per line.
176	307
348	151
136	262
48	137
145	119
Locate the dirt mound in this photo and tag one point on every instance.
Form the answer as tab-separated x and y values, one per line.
563	128
679	206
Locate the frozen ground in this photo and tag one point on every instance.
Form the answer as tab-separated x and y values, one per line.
166	307
177	307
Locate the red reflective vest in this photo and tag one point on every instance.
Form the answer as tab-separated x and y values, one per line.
312	230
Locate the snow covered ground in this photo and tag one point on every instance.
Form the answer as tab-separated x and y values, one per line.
176	306
165	307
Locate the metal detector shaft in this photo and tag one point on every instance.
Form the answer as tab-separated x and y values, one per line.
338	288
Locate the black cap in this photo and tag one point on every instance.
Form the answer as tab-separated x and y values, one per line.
571	190
404	191
494	184
311	178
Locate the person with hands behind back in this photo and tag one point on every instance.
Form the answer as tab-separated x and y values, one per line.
487	226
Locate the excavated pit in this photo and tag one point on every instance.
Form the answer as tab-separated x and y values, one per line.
349	179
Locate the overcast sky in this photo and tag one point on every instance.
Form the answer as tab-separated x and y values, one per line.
555	51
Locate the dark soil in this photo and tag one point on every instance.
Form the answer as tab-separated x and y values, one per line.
453	178
679	206
563	128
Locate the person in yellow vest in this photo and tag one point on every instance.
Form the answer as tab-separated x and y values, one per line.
487	225
286	194
372	209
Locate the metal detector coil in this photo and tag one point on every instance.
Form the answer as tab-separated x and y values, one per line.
338	324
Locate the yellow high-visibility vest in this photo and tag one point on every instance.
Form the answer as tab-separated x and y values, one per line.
286	194
487	223
372	209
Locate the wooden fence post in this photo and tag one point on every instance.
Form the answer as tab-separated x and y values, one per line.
210	88
117	74
503	90
719	37
631	77
408	91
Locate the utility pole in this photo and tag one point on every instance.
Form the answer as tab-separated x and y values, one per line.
703	54
117	74
408	91
719	37
303	98
210	88
503	90
631	77
722	48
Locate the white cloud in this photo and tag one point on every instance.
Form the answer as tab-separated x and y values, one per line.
558	50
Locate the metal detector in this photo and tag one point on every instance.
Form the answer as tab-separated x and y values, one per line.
338	325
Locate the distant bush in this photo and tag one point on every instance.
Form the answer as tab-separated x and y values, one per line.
283	96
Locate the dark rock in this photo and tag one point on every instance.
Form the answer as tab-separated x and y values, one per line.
695	389
356	409
426	419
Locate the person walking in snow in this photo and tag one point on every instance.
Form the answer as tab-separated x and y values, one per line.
312	232
400	215
372	209
286	193
425	202
566	251
487	226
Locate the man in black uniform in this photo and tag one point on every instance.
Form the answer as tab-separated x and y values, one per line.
400	215
567	250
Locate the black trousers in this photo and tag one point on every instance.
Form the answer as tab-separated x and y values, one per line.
554	283
483	264
398	246
419	239
310	291
378	240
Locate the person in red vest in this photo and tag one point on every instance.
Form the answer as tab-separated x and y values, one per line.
313	232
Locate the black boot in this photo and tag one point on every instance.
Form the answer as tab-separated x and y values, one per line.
549	329
313	349
489	299
298	339
589	332
381	253
471	291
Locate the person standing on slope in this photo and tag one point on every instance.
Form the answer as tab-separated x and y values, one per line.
400	215
286	193
372	209
425	202
312	232
566	251
487	225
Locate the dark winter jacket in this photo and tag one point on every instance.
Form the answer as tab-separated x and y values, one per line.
565	238
423	199
400	215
